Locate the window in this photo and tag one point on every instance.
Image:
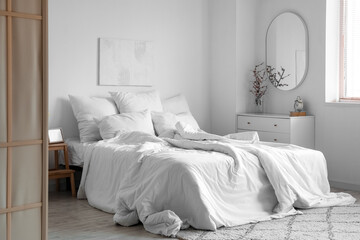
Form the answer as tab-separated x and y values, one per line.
349	50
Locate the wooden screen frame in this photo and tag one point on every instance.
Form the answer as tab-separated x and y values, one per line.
10	144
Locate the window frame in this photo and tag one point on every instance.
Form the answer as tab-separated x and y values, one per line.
342	80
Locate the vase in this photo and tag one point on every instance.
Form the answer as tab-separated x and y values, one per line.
259	102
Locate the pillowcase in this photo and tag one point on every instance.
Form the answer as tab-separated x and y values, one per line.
165	122
137	101
176	104
179	106
111	126
188	118
86	109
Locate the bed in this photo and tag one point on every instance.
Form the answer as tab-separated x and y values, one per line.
76	150
178	176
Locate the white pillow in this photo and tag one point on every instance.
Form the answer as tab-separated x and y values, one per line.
137	101
179	106
176	104
188	118
86	109
111	126
164	123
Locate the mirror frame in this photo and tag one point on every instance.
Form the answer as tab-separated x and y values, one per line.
306	47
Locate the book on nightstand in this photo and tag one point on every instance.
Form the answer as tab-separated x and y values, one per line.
297	114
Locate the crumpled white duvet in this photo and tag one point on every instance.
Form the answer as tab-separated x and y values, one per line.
215	182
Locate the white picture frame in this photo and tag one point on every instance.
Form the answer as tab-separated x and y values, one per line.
55	136
125	62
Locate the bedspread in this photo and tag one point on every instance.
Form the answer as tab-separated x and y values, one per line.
208	181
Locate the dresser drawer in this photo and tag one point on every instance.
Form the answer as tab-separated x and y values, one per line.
278	125
274	137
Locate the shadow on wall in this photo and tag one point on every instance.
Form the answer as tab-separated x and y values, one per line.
64	118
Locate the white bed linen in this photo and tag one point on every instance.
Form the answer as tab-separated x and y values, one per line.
76	150
168	188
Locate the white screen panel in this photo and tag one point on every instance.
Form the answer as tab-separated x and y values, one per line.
2	226
27	79
2	4
3	85
26	175
26	224
3	175
27	6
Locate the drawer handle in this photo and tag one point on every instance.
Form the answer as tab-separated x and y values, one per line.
248	123
275	125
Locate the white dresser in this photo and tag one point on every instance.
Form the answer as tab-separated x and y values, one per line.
279	128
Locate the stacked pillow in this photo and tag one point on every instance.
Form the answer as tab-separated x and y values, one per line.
164	123
176	104
176	109
137	101
113	125
86	109
129	111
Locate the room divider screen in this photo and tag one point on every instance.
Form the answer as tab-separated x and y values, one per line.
23	119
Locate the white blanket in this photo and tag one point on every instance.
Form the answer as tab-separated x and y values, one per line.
217	182
292	183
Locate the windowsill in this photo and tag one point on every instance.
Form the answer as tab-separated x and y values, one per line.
346	100
344	104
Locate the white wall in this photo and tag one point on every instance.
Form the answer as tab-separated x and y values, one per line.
222	17
337	132
206	50
232	48
246	46
179	29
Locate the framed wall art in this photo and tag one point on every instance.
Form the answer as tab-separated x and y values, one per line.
126	62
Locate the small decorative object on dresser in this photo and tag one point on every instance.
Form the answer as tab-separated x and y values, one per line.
298	105
297	114
279	128
298	108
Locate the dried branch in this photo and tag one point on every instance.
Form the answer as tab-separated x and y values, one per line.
258	85
275	77
260	75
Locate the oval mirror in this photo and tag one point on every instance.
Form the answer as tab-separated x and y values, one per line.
287	50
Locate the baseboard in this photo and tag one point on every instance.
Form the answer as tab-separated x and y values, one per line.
346	186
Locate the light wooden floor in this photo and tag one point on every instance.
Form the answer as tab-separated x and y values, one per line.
73	219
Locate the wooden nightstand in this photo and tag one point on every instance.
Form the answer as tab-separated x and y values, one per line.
57	173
